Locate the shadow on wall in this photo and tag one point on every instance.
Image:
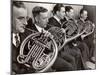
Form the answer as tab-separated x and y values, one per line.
30	6
91	13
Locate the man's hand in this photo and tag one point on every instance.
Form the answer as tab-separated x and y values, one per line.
47	34
63	30
82	37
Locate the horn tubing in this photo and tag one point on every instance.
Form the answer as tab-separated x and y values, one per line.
30	53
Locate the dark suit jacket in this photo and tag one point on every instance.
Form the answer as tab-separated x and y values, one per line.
16	67
54	22
31	25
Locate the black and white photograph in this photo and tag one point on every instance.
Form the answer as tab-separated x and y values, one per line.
52	37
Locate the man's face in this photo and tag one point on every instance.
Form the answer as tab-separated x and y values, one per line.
61	13
19	19
43	19
70	14
84	15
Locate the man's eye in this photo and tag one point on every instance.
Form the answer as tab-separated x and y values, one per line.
44	18
21	18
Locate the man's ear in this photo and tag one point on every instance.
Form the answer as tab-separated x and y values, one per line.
33	19
80	15
66	13
36	19
57	12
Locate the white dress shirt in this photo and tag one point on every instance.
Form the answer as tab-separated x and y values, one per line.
40	29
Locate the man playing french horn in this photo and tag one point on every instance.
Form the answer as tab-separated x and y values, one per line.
87	37
37	50
63	58
71	28
18	24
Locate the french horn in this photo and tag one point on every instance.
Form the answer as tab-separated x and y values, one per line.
71	28
67	33
59	36
38	52
89	27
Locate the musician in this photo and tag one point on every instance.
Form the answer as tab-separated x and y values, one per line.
88	37
69	17
59	13
69	12
18	28
39	19
71	48
62	59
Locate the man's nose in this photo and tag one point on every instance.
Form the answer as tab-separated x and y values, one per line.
25	22
64	13
47	20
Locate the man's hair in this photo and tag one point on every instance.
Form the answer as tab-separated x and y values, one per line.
67	8
82	10
57	7
18	4
37	10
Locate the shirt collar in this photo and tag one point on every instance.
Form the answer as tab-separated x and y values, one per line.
57	19
82	20
66	18
39	28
